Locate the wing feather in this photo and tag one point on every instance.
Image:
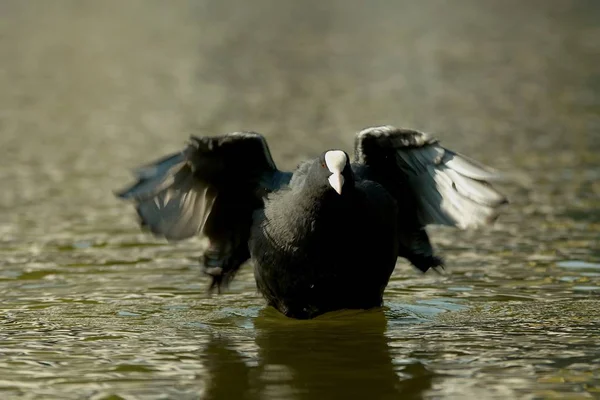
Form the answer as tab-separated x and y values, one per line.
176	195
449	188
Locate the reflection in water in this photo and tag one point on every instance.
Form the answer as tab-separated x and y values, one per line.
341	355
228	374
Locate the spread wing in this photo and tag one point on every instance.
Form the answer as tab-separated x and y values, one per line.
210	188
446	188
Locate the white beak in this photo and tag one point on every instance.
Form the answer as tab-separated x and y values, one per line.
336	180
336	162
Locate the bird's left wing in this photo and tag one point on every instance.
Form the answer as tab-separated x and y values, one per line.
448	188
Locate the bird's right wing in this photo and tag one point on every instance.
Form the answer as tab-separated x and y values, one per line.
210	188
176	195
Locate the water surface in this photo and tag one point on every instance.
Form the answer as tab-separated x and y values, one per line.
92	308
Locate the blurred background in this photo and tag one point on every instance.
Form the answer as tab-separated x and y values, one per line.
92	308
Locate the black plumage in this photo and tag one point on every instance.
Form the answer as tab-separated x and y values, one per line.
327	236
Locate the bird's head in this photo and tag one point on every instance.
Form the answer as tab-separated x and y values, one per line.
334	166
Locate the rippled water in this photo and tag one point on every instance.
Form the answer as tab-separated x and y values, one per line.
92	308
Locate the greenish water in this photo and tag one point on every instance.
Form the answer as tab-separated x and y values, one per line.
90	308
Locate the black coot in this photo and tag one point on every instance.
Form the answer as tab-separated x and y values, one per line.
327	236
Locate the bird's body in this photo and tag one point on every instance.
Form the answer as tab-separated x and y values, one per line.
323	251
327	236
